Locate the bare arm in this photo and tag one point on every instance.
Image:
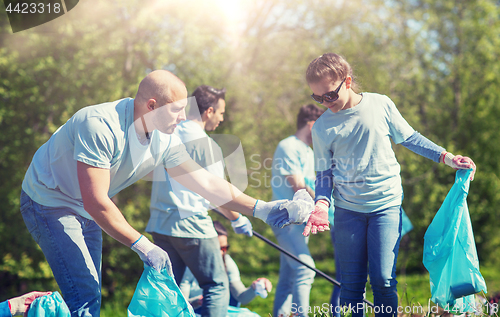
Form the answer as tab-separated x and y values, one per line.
217	190
297	182
229	214
94	185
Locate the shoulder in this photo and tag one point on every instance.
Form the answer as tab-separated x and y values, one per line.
320	123
231	266
289	141
110	115
107	110
190	130
287	146
378	99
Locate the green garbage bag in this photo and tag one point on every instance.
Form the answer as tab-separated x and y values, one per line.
450	253
51	305
157	295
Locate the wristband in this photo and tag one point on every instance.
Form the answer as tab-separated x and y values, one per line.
142	245
448	159
258	210
323	205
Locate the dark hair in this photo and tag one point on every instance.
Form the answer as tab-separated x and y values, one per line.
308	113
330	65
221	230
207	97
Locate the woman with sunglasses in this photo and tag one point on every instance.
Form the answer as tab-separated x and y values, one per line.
356	166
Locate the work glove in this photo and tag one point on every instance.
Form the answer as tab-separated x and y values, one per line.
281	213
459	162
152	255
242	226
271	213
318	221
20	305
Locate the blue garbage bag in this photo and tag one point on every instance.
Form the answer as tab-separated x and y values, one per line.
157	295
407	226
450	253
51	305
233	311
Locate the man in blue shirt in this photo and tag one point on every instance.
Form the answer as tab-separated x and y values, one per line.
292	170
179	221
66	197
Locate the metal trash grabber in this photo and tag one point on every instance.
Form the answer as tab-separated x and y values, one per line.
327	277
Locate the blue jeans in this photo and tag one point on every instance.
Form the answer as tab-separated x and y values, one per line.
204	259
368	242
72	246
295	280
335	298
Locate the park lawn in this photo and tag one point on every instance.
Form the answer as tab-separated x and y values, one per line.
413	290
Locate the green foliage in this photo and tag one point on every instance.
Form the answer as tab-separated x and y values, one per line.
438	61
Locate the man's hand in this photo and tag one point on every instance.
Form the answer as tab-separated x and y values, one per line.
242	226
152	255
268	286
20	305
271	213
262	286
318	221
459	162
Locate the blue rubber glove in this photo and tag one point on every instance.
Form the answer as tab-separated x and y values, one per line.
271	213
242	226
152	255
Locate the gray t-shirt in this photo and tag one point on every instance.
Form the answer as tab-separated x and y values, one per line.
101	136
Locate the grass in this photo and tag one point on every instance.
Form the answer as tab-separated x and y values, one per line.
413	290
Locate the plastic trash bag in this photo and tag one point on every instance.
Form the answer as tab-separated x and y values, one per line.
157	295
450	253
240	312
51	305
300	207
407	226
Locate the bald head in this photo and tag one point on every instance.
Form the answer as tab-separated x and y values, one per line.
161	85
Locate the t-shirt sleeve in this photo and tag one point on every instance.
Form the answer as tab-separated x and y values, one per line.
399	129
322	153
287	161
175	153
94	143
214	159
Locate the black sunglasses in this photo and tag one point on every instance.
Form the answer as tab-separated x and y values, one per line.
329	96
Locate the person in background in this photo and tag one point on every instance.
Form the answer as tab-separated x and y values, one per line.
179	221
292	170
19	306
240	294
